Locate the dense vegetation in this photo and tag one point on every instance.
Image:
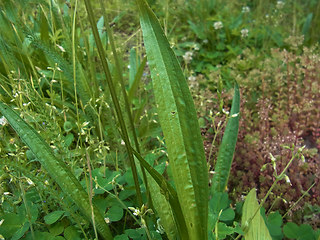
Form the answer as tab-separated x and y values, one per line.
105	136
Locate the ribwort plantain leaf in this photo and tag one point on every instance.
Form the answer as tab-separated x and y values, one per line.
227	147
179	123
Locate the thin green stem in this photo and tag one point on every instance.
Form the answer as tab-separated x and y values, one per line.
74	63
114	99
91	195
278	178
125	96
305	193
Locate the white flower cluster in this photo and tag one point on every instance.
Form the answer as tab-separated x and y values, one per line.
3	121
280	4
244	32
245	9
187	57
218	25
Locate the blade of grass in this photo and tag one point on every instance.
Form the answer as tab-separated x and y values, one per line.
56	168
179	123
227	147
136	81
114	99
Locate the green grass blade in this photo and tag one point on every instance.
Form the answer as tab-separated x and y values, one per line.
133	61
114	98
137	79
56	168
179	123
227	147
255	228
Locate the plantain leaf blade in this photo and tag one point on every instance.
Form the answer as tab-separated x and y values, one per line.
56	168
227	147
179	123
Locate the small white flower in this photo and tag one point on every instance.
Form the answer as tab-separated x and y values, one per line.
192	78
287	179
218	25
136	212
107	220
1	221
244	32
26	104
122	142
234	115
128	66
61	48
205	41
3	121
187	57
280	4
225	111
245	9
29	181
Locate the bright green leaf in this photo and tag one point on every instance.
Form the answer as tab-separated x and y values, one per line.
253	225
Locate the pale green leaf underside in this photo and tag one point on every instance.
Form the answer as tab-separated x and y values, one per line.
257	229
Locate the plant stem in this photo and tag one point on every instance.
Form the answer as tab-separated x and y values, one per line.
125	96
305	193
278	178
114	99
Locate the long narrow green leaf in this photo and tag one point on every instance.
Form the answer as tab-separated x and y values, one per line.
114	98
133	88
56	168
255	227
227	147
179	123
